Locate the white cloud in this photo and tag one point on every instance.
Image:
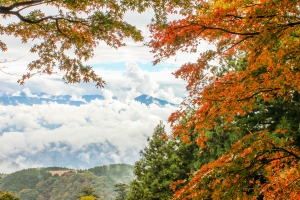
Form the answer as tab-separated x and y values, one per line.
125	126
141	81
9	166
108	95
84	157
76	98
28	93
18	93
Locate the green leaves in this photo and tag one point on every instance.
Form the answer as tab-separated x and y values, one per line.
77	25
88	192
8	196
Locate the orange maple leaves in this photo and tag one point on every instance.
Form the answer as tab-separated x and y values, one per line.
256	165
266	34
264	30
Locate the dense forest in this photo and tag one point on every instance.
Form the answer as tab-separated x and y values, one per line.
39	184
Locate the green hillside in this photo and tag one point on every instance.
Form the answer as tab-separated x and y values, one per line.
39	184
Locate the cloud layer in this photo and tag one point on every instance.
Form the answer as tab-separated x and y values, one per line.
109	124
96	133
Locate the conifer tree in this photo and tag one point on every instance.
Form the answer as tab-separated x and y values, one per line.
164	159
88	191
122	190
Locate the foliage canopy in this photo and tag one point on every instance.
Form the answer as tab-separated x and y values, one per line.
88	191
61	25
257	48
7	195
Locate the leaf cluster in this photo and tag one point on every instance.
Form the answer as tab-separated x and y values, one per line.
76	26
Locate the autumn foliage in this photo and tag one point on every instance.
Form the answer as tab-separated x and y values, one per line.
257	47
76	26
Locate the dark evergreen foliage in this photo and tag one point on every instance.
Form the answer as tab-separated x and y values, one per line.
122	190
164	159
24	179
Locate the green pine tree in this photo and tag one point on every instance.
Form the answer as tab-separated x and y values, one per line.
122	190
164	159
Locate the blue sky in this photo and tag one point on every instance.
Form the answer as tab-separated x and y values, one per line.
99	132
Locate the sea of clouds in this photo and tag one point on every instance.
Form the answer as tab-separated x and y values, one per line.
113	130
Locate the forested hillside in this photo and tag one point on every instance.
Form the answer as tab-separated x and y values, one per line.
39	184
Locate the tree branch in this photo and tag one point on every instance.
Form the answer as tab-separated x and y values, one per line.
8	9
228	31
25	3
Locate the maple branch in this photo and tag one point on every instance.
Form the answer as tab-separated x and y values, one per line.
245	98
2	70
291	24
239	42
59	30
18	4
22	18
252	162
228	31
251	17
282	149
203	28
25	7
6	61
288	185
256	93
9	11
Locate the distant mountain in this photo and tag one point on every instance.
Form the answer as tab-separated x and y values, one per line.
62	154
145	99
40	98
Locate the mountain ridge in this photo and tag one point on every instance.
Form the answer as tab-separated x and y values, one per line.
40	98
